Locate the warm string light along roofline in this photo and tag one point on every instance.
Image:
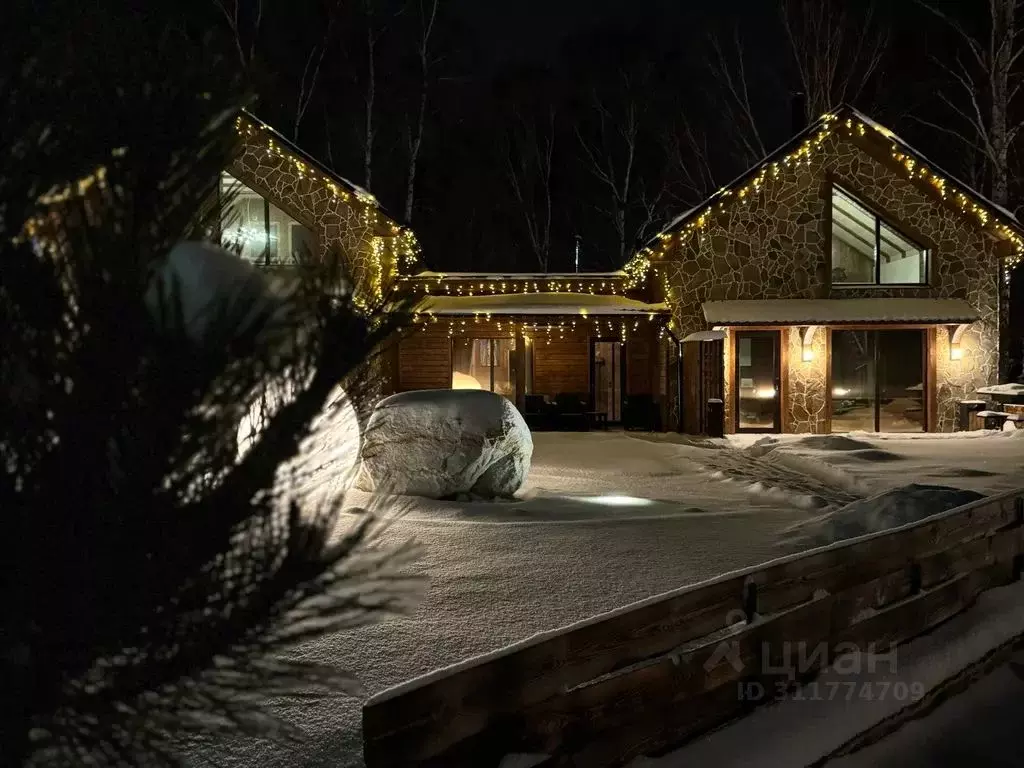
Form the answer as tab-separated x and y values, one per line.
637	267
550	331
454	285
406	245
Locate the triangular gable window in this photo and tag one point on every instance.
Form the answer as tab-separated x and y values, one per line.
868	251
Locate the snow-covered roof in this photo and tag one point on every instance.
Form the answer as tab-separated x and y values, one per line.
705	336
492	276
838	311
813	128
538	304
279	138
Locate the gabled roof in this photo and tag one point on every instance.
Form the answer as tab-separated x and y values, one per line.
919	169
363	195
538	304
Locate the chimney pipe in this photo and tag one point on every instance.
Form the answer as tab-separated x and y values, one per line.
798	111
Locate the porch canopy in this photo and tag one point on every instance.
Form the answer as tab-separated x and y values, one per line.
839	311
538	304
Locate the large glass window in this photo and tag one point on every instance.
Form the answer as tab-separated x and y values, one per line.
878	380
263	233
867	251
483	364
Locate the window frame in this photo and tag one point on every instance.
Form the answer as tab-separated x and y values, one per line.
879	220
492	342
267	259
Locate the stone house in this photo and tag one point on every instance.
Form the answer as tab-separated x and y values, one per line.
843	283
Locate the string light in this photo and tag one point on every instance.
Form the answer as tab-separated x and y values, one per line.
460	285
404	247
640	264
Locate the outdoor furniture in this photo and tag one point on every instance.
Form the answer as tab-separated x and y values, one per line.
598	419
966	410
571	412
539	412
992	419
640	412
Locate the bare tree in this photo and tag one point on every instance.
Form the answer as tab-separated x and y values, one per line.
687	153
372	36
986	84
315	59
242	28
737	110
611	152
836	55
428	13
529	156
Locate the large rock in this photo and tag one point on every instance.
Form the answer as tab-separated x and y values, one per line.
442	443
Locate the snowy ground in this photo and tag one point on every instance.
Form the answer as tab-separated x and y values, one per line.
606	519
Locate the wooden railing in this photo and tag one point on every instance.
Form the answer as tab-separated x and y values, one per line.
658	673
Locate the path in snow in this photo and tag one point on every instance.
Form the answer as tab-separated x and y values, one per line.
606	519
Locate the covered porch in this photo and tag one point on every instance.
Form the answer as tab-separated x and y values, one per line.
569	361
838	365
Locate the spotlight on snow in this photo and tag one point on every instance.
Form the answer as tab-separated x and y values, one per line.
616	501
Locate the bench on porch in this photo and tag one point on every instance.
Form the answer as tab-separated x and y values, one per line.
996	419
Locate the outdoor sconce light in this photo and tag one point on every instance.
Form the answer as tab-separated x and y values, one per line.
956	352
806	343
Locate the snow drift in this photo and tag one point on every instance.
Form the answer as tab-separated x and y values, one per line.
890	509
444	443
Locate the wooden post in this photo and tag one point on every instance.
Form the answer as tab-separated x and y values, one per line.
519	357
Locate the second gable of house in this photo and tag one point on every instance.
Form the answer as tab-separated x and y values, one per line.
843	214
290	202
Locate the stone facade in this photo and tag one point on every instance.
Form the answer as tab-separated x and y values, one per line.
775	243
347	222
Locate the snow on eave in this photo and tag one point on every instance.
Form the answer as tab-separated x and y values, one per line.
360	193
1010	217
837	114
427	274
705	336
839	311
431	677
538	304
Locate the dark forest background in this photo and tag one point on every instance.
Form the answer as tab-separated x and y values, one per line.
523	126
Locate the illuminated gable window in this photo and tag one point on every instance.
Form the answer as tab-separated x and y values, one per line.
867	251
262	232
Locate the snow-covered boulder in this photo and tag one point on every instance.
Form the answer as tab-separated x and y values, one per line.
890	509
442	443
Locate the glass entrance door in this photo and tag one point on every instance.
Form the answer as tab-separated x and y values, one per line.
607	377
878	380
757	381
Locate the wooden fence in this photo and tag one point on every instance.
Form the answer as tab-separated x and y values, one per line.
637	681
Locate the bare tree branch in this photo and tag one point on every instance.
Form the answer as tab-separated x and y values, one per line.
415	140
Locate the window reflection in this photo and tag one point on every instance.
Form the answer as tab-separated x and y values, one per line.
866	250
260	231
483	364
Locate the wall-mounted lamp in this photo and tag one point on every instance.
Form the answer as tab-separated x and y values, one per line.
956	352
806	343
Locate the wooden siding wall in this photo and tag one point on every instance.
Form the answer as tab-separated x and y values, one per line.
562	366
561	360
425	360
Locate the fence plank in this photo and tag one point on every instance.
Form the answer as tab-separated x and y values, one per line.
648	676
427	720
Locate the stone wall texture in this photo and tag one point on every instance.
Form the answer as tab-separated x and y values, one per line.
369	244
776	244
